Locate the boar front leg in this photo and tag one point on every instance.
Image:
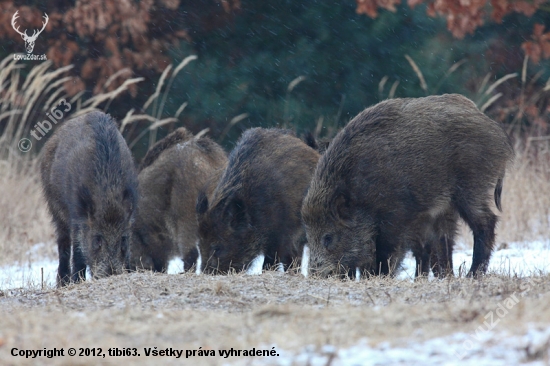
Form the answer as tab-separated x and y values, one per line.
79	260
422	252
64	249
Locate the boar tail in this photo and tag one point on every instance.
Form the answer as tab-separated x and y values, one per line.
498	192
179	135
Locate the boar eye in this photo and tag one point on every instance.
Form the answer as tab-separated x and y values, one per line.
97	242
124	244
327	240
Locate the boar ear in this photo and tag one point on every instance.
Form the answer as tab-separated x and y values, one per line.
340	205
202	203
235	213
85	204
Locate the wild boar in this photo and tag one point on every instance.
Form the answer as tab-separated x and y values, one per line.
90	185
255	207
171	175
393	171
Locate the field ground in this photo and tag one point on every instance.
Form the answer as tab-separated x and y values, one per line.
309	321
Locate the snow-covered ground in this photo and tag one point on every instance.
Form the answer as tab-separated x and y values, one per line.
521	259
37	270
490	348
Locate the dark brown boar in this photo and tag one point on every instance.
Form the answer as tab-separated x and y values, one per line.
90	185
393	171
255	208
171	175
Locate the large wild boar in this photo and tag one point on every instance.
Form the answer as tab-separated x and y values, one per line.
255	208
171	175
433	251
90	185
397	177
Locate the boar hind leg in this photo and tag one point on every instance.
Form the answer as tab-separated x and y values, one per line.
482	221
389	256
484	241
190	259
79	261
64	249
160	265
442	257
442	249
422	253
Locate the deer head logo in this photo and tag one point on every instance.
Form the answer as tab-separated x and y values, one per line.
29	40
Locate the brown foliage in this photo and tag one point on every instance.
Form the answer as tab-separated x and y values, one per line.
370	7
463	17
539	47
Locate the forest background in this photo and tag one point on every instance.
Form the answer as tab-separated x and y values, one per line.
306	65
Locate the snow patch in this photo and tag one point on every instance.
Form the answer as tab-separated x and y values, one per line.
521	259
256	265
28	274
199	260
304	267
175	266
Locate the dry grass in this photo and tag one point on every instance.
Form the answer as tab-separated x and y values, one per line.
24	217
25	101
526	197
